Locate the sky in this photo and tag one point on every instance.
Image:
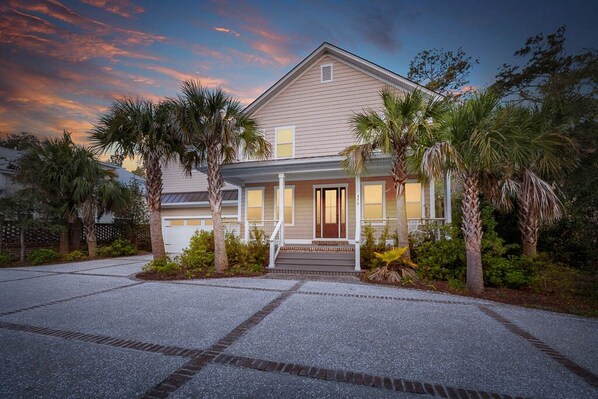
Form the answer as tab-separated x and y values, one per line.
63	62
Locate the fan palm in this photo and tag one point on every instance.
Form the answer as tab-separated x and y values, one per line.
404	120
477	140
551	154
139	128
216	130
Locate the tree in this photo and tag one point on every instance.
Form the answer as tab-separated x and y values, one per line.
477	140
216	130
404	120
138	128
442	71
24	210
18	141
117	159
135	214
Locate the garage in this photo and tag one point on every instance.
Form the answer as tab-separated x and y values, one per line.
179	230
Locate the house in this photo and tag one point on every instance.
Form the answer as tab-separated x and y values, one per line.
125	177
8	158
301	197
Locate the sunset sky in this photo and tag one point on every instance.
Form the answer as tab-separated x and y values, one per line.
63	62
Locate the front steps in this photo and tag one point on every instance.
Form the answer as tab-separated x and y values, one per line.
315	259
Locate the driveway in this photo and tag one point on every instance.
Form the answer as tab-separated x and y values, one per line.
90	329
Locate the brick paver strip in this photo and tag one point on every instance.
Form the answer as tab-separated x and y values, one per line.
69	299
349	377
188	370
575	368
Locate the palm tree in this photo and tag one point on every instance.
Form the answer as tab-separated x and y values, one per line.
405	119
138	128
477	140
551	154
217	130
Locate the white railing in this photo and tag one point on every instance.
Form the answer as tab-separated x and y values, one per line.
267	226
275	244
358	246
388	226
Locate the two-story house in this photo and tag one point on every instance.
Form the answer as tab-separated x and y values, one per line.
306	117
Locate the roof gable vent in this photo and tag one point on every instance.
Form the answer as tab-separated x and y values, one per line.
326	73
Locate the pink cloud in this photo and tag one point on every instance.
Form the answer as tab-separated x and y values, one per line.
226	30
181	76
124	8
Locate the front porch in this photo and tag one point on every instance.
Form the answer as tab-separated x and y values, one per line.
313	202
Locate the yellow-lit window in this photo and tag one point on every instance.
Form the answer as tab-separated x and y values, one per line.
177	222
255	205
373	202
208	222
289	193
285	139
413	198
194	222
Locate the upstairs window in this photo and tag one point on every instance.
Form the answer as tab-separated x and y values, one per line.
373	202
326	73
288	205
285	142
413	198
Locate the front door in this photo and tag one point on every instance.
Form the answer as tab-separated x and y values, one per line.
331	212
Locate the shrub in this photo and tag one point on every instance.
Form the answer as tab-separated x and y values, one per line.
118	247
369	246
74	256
5	258
396	267
200	253
442	258
163	265
247	258
43	255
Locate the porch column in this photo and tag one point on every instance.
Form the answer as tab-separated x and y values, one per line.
423	198
281	206
358	222
448	207
432	200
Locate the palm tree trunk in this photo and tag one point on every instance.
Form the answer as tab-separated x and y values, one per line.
89	228
154	193
22	243
528	226
215	184
64	240
472	231
399	175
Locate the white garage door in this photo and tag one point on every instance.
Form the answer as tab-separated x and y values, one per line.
178	232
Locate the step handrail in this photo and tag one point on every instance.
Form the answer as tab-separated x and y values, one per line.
274	245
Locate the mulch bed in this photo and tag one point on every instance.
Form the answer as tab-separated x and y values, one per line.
198	275
582	306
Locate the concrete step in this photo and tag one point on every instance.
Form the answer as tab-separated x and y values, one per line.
316	255
315	262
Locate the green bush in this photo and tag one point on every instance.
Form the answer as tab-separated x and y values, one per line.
117	248
43	255
442	258
163	265
74	256
247	258
200	253
5	258
370	245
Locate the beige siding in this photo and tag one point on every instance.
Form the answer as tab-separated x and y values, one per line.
196	212
319	111
175	180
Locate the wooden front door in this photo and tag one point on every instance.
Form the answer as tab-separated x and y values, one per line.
331	212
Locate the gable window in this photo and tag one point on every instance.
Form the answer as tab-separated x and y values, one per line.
289	205
326	73
413	198
255	205
285	142
373	201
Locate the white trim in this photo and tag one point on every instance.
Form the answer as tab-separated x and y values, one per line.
195	204
330	185
322	66
374	183
262	189
297	241
292	187
276	141
432	200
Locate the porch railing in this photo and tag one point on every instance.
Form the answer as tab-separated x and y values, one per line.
388	227
275	243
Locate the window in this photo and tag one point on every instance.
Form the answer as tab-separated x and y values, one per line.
177	222
373	201
208	222
194	222
289	201
285	142
255	205
413	198
326	73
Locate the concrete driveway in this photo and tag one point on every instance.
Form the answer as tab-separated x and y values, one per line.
90	329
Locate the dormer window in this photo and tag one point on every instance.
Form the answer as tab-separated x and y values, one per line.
326	73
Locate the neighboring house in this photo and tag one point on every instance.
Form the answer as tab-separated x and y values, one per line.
8	157
125	177
306	117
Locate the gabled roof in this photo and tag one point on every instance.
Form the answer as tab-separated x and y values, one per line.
374	70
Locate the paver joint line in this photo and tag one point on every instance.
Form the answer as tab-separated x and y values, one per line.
569	364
